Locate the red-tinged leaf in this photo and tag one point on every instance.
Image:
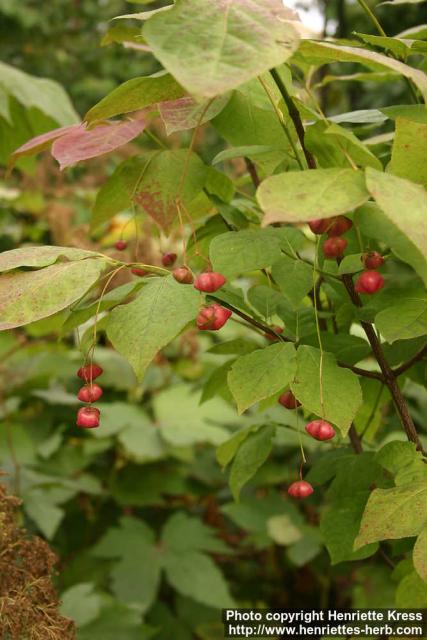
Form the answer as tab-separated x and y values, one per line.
82	144
42	142
186	113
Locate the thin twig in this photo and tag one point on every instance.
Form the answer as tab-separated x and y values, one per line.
388	374
407	365
295	117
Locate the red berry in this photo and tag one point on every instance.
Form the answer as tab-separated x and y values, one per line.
320	430
209	281
334	247
183	275
88	417
339	225
369	282
89	372
372	260
270	336
139	272
213	317
90	393
300	490
121	245
168	259
318	226
289	401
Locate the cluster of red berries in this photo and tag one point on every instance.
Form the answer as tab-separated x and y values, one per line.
211	317
318	429
88	417
335	227
370	281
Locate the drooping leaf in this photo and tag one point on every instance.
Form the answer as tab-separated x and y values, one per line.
341	395
403	320
27	296
170	180
228	449
297	196
83	144
251	454
141	328
185	113
37	257
324	52
136	94
394	513
218	36
408	152
395	195
260	374
237	252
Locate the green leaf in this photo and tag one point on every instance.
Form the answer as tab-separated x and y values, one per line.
117	192
403	461
40	508
261	374
325	52
295	195
141	328
183	421
46	95
240	152
376	224
142	442
395	195
412	592
252	453
115	621
403	320
136	576
333	145
294	277
246	122
171	178
342	394
228	449
183	533
420	555
408	152
37	257
80	603
394	513
236	252
136	94
218	36
264	299
195	575
282	530
348	494
27	296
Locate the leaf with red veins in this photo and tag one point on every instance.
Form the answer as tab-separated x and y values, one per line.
83	144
